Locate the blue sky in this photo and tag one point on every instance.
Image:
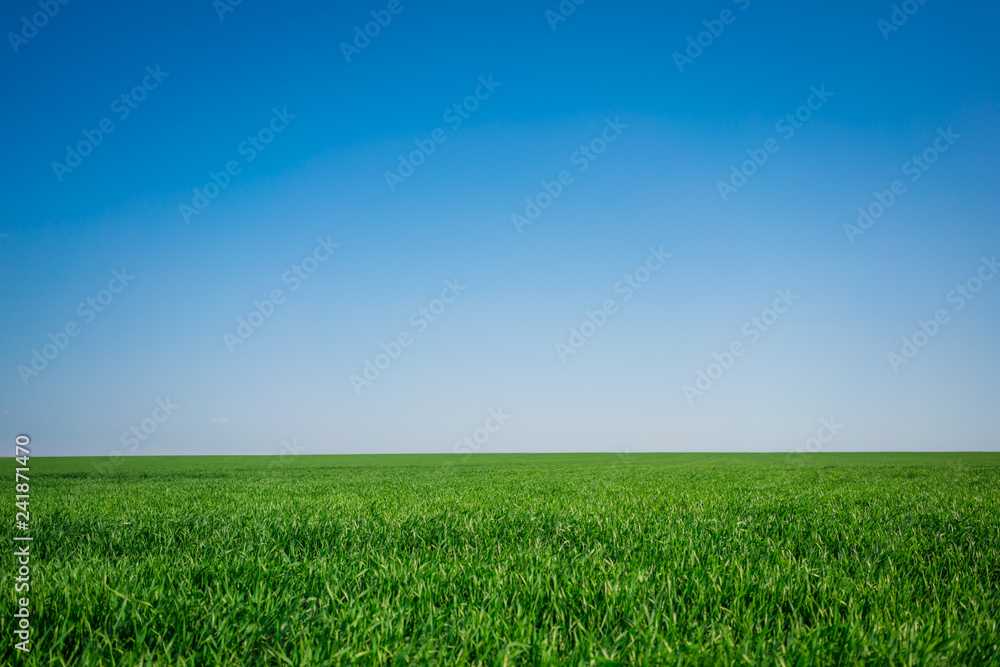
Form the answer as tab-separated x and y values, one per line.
598	101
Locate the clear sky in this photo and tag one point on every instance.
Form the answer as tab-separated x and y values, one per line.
593	208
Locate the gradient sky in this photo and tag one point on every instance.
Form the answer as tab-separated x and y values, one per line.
494	347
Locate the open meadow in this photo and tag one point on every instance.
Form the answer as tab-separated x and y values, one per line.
577	559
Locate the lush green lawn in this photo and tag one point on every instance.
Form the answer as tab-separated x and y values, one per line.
533	559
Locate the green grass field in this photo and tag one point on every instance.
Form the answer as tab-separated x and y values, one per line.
883	559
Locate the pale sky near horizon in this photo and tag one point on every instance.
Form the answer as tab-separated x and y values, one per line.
486	227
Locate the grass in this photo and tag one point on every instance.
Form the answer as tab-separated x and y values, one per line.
883	559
